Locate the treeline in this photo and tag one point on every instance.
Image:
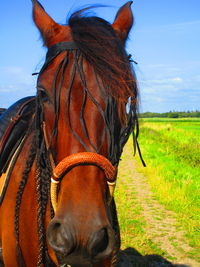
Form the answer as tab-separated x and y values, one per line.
171	114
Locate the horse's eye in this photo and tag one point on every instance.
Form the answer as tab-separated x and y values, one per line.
43	94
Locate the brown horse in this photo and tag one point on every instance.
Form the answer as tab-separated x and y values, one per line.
76	136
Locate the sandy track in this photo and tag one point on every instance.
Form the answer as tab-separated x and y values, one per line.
161	226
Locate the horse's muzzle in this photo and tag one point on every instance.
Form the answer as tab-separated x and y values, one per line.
98	246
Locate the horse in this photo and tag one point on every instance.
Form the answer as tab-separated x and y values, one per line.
58	208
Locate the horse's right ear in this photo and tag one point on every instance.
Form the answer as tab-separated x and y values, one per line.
46	25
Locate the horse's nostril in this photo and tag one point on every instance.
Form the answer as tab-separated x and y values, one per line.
59	239
100	242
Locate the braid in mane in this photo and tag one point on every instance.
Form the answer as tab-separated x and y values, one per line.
29	164
43	174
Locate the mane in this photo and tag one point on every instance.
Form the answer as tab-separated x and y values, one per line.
101	47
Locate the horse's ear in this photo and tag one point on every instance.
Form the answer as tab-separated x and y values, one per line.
46	25
123	21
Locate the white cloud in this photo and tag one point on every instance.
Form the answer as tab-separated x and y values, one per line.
173	80
12	70
14	75
177	79
15	83
184	24
169	87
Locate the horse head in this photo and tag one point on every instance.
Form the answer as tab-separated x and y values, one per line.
82	124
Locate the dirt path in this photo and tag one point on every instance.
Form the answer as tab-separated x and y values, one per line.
161	224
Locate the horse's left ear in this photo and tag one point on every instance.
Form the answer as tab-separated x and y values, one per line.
46	25
123	21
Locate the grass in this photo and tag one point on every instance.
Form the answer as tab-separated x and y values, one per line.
171	149
132	224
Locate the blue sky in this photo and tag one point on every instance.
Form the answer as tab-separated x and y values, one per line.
165	41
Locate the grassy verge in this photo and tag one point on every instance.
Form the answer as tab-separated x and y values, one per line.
132	224
171	149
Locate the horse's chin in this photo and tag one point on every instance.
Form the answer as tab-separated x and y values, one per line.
80	261
78	265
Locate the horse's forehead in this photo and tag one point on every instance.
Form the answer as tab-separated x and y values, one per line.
46	78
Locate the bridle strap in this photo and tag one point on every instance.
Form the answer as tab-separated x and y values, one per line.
58	48
84	158
48	146
81	159
55	50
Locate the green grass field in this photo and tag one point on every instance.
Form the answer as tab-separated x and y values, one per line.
171	149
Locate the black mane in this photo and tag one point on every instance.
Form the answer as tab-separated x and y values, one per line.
98	42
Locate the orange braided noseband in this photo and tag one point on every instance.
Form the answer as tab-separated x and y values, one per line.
82	158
